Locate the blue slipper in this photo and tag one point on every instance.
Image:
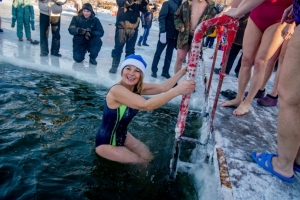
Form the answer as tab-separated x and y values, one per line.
296	167
261	161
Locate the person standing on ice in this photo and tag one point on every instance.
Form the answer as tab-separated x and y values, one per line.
127	24
146	18
167	37
286	161
122	103
187	17
23	14
50	11
87	30
1	31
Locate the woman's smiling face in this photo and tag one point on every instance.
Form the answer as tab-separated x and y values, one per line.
131	75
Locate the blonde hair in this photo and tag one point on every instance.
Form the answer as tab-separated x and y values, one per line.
138	88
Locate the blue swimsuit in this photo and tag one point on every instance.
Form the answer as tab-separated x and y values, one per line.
113	129
296	9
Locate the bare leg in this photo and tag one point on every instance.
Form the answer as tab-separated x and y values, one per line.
274	91
251	44
289	111
297	160
269	68
181	54
270	42
134	151
138	148
118	154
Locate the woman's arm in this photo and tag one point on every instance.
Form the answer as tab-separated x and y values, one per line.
153	88
120	95
244	7
233	4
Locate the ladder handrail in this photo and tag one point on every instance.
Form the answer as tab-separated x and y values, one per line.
231	25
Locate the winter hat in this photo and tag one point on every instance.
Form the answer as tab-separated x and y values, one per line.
135	60
88	6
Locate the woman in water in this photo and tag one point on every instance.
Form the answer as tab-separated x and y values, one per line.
122	103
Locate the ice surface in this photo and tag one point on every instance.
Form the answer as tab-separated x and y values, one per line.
237	136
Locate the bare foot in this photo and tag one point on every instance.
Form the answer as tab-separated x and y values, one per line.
231	103
285	170
242	109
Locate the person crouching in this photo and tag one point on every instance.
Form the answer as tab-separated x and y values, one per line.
87	30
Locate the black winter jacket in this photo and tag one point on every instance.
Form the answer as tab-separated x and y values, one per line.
166	18
128	15
80	21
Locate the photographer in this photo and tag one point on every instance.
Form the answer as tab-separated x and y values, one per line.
87	31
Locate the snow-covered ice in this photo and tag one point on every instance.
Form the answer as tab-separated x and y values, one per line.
237	136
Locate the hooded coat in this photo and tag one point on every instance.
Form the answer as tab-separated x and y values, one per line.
79	21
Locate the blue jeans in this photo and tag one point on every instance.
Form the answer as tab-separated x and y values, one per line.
144	37
209	41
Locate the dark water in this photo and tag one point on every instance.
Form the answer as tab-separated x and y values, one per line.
48	124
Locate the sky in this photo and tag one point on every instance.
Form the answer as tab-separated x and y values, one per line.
23	54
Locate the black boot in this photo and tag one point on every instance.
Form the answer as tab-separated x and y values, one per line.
56	54
154	74
93	61
115	64
166	75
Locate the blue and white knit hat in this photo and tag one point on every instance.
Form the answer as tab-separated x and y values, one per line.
135	60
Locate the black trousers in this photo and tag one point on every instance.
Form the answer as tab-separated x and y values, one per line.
234	51
45	22
122	37
93	46
171	43
209	41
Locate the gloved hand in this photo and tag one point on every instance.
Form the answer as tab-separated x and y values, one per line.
32	24
88	34
163	37
13	21
81	31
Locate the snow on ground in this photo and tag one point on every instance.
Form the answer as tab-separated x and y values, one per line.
238	136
